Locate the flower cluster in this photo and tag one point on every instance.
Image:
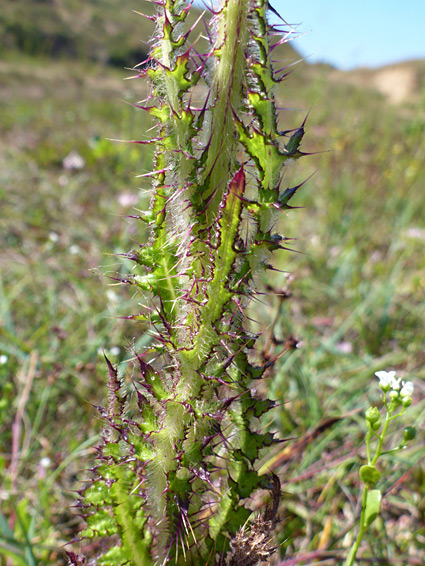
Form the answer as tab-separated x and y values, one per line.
398	389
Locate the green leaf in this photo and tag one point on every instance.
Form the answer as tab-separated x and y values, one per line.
101	523
180	72
5	530
373	505
98	494
14	551
26	522
8	545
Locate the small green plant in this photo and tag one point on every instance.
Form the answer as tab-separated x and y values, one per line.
396	398
178	462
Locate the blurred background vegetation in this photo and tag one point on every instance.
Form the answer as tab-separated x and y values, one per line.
352	299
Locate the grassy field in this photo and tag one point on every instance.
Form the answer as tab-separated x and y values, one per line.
356	300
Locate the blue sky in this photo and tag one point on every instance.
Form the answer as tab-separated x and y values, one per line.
353	33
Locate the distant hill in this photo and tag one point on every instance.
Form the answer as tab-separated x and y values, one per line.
105	31
98	30
399	82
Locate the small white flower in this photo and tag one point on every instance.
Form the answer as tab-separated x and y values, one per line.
344	347
74	249
387	380
54	237
73	161
45	462
407	389
115	351
127	199
3	359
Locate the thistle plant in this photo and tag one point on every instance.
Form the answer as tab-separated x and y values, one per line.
396	398
178	462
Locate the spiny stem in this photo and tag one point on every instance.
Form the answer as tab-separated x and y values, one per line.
182	441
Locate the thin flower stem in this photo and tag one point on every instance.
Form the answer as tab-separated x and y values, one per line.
368	439
381	438
354	549
371	462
